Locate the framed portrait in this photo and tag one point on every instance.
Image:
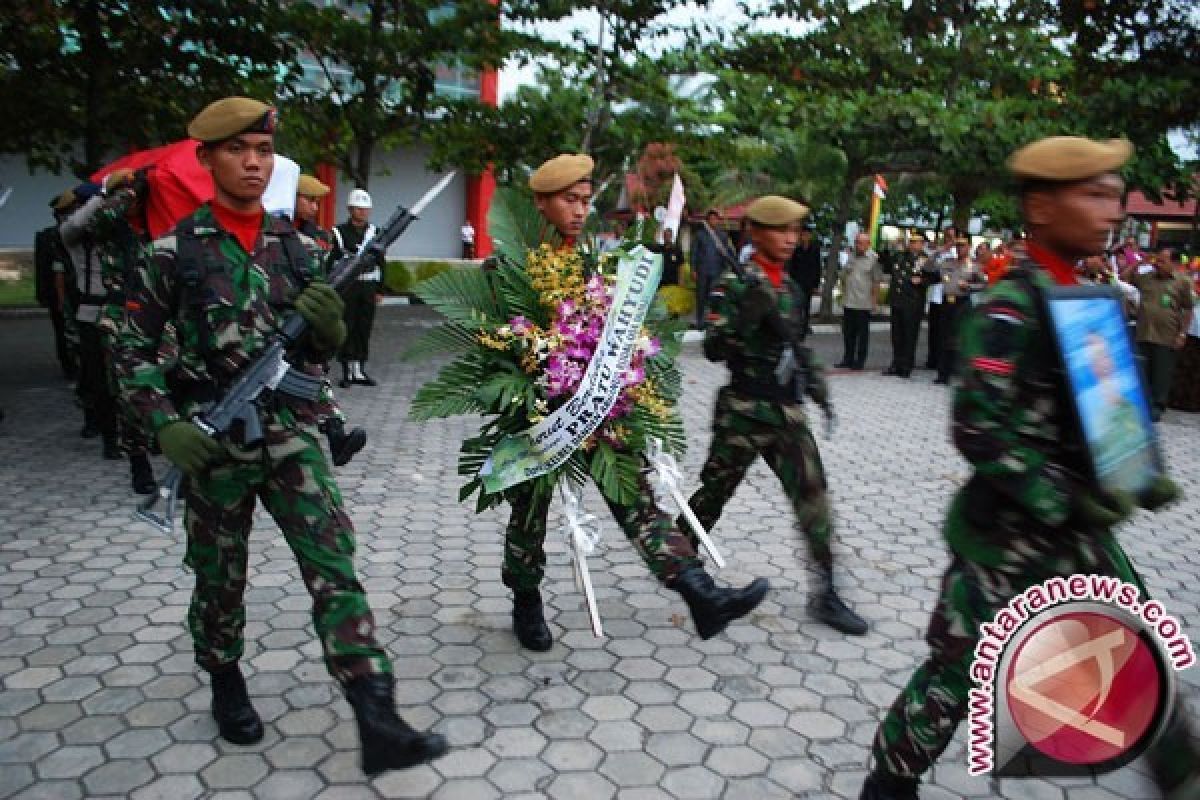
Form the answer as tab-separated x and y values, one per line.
1110	400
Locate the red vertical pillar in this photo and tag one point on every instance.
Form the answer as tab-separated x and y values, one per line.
327	216
480	188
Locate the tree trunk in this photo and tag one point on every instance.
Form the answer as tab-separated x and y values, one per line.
841	217
965	195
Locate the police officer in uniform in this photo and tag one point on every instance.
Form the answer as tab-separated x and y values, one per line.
1028	513
562	190
225	277
50	268
342	446
961	279
906	296
361	295
751	323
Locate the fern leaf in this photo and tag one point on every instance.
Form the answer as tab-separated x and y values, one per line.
452	392
514	223
449	339
464	296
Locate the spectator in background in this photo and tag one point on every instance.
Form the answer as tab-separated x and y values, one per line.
1164	318
1128	254
998	266
860	281
468	239
1185	385
804	268
937	294
672	257
710	249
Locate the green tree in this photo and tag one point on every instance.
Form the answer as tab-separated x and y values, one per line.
85	80
371	73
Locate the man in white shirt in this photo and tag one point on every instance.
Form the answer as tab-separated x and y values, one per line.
468	239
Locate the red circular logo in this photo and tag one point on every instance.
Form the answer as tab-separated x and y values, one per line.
1084	688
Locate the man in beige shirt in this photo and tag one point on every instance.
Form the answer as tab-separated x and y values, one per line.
1164	314
860	293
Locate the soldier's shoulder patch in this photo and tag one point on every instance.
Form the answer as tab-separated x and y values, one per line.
1005	312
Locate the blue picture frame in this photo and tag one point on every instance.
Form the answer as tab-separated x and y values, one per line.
1110	402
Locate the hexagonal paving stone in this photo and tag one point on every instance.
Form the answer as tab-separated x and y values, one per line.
235	772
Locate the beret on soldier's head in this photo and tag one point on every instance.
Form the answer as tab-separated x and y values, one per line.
962	240
309	186
63	201
775	211
231	116
561	172
1068	158
915	236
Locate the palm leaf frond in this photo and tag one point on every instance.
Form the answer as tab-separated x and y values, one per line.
464	296
453	392
448	339
514	224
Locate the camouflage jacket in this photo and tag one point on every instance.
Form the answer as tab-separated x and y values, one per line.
222	323
910	280
118	246
753	357
1011	420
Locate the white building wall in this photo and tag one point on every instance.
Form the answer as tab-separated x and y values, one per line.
435	235
28	208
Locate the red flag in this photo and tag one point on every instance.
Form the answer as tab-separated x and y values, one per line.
178	184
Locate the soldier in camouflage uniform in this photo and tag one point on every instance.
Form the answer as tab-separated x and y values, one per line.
563	190
751	322
118	246
342	446
906	296
1028	513
226	277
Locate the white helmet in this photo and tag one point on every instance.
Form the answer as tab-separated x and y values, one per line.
358	199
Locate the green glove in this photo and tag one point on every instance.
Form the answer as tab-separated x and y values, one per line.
1163	491
322	308
187	447
1104	509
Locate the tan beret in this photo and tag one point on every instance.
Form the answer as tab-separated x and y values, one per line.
311	187
561	172
63	201
231	116
962	240
1069	158
774	210
914	236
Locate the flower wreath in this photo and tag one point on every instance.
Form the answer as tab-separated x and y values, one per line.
522	335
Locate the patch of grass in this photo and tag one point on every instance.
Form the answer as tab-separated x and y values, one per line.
17	294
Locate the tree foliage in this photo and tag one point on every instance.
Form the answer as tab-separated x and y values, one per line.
85	80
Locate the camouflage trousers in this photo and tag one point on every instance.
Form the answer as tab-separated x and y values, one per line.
289	474
790	451
666	551
132	436
922	721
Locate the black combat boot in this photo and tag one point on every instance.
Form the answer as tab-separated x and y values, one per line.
882	786
712	607
387	741
345	381
142	474
343	446
529	622
827	607
236	718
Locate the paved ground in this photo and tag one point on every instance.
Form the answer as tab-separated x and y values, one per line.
101	699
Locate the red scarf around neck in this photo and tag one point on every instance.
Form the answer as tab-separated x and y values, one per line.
773	269
245	227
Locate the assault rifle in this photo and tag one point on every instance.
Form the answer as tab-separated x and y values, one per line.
270	370
795	362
